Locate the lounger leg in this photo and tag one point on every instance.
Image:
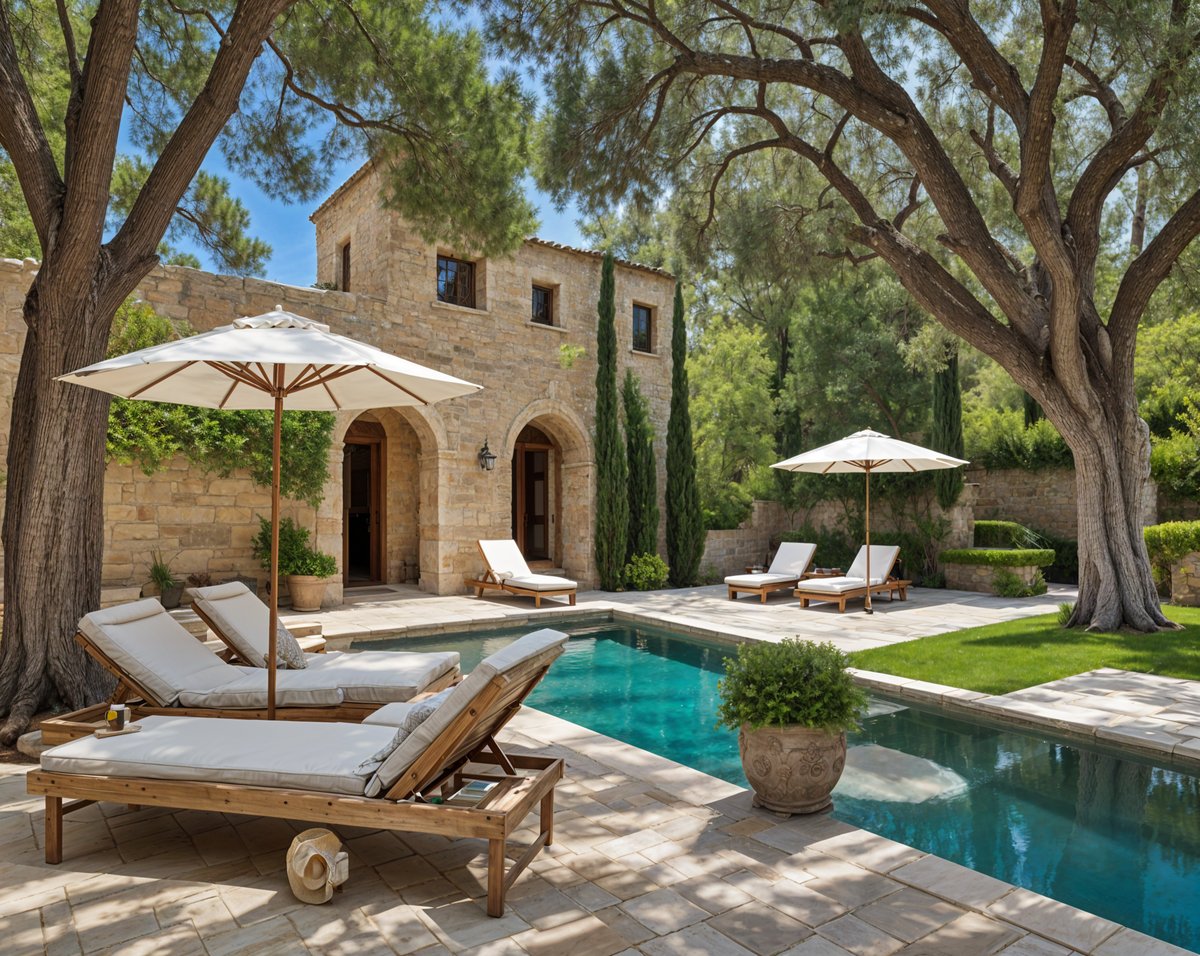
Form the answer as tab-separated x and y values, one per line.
547	820
762	596
732	596
572	596
495	897
54	823
537	600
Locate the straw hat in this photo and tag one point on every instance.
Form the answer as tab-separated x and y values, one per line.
316	864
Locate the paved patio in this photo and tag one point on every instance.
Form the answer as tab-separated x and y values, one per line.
650	857
394	611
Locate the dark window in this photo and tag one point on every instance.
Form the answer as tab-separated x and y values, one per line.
641	328
456	281
346	266
543	305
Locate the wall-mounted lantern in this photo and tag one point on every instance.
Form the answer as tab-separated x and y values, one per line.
487	461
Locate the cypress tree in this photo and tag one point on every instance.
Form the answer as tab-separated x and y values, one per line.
947	429
643	477
612	492
685	524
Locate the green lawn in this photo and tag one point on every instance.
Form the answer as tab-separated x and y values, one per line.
1005	657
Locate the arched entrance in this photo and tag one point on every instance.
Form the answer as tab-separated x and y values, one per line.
536	493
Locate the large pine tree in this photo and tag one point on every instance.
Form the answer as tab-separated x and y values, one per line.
947	428
643	477
685	526
612	493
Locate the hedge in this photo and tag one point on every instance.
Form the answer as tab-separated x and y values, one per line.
1169	542
999	557
1004	534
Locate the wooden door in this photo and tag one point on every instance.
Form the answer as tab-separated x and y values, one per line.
363	524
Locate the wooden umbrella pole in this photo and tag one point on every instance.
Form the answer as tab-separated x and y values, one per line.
273	620
867	603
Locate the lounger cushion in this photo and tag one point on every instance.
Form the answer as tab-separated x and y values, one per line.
456	702
382	676
833	585
883	557
504	558
390	715
792	557
243	621
279	754
149	645
248	690
538	582
761	579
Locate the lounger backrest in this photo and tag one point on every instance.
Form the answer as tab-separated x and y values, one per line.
504	558
145	642
239	618
793	557
883	559
441	740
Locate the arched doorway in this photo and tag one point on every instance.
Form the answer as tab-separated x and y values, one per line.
535	494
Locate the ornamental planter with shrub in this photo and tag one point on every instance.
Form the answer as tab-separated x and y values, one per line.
791	703
1174	549
305	567
1007	572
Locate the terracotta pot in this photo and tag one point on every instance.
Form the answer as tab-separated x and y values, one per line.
792	769
307	591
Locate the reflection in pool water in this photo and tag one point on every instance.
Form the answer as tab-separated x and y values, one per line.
1117	837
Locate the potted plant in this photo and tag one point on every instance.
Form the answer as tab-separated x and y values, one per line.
306	568
170	590
791	703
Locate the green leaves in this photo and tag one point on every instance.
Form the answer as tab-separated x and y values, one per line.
792	682
642	538
612	492
296	555
685	525
999	557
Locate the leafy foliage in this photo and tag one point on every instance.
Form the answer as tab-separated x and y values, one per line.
642	538
149	434
793	682
1170	541
160	571
612	492
685	527
999	557
646	572
1008	584
296	555
999	438
1004	534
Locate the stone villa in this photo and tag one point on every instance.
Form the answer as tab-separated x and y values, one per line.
406	498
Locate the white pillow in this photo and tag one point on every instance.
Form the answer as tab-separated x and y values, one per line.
288	652
417	714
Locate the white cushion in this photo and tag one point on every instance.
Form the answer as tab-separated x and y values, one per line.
245	621
833	585
249	690
760	579
154	649
314	756
504	558
538	582
505	659
390	715
793	557
883	557
382	676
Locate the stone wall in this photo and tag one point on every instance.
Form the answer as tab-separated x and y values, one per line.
439	502
1185	580
1044	500
982	577
751	543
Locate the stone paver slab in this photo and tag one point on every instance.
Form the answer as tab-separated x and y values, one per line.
664	911
908	914
1057	921
761	928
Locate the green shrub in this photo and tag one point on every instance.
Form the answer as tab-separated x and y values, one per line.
1175	464
999	557
1005	534
1008	584
1167	543
1065	568
725	508
160	571
296	555
999	438
792	682
310	561
1065	610
646	572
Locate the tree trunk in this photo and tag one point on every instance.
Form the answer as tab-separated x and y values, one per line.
53	522
1112	466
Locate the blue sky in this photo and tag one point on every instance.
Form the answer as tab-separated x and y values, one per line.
292	238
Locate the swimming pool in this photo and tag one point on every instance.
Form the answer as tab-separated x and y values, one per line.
1113	835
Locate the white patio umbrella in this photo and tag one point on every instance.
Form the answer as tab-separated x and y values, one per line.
867	452
274	360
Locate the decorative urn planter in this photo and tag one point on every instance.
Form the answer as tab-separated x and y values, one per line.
307	591
792	769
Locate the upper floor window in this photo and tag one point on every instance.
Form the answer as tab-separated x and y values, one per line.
345	284
543	305
643	320
456	281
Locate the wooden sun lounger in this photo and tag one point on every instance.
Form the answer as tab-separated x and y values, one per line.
891	587
80	723
791	558
452	758
491	581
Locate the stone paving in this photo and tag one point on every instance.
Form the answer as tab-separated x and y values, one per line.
706	610
650	857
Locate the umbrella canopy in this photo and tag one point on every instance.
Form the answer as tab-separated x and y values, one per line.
868	451
275	360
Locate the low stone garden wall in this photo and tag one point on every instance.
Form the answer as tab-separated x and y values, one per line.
1185	580
1010	572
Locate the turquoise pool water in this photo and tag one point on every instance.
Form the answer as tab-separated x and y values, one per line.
1114	836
